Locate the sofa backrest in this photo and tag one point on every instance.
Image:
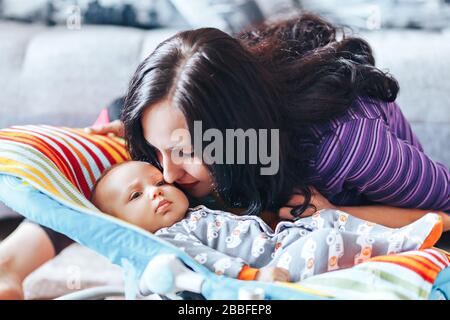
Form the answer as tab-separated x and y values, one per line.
64	77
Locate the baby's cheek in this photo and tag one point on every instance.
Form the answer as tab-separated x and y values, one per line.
138	216
179	198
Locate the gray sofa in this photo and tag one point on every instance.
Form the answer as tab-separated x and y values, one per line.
64	77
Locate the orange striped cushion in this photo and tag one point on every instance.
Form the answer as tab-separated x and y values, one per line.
63	161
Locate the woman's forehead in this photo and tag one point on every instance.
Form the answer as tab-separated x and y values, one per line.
161	124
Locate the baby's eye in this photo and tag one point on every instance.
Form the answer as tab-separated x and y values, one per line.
160	183
135	195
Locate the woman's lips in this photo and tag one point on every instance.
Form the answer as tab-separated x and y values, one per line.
162	205
188	185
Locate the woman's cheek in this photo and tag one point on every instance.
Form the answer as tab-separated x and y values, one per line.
159	156
198	170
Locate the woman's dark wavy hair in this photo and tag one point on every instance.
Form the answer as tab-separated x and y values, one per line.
286	75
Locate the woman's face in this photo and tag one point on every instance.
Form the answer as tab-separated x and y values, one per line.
159	123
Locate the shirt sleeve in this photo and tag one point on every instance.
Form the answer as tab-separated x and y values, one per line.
364	155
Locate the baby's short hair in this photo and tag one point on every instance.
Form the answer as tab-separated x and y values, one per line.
103	175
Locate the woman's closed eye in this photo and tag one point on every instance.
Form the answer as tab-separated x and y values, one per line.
187	154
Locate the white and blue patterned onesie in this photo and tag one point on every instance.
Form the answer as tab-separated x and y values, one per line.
327	241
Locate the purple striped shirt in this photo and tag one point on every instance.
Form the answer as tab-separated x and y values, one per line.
370	155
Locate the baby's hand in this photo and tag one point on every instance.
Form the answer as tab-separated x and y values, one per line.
271	274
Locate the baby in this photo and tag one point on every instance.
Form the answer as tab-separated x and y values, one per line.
136	192
245	247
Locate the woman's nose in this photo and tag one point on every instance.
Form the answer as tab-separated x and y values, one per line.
171	171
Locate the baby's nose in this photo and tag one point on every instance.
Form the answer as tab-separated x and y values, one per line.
156	193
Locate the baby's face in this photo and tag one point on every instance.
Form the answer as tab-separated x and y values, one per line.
137	193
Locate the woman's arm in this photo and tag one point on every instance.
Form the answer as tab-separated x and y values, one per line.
112	128
365	156
388	216
392	217
108	121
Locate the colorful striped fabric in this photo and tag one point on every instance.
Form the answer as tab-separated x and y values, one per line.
64	162
409	275
370	154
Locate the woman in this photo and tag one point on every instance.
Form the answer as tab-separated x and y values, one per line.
340	130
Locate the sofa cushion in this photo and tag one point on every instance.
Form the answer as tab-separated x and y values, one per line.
65	77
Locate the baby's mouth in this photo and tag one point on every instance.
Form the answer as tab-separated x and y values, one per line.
162	206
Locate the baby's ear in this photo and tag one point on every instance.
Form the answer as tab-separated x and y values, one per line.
92	198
